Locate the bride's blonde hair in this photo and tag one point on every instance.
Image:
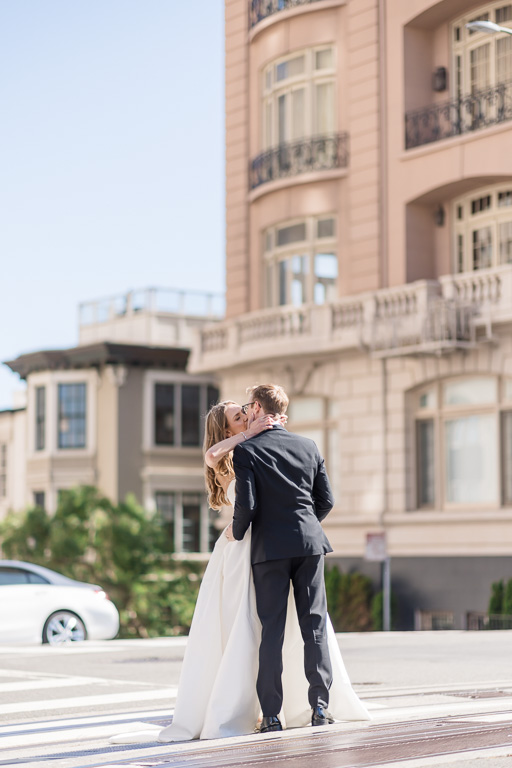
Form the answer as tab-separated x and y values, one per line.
214	432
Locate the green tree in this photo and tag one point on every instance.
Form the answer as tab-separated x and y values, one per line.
121	547
497	595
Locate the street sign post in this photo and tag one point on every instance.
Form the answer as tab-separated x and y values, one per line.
377	552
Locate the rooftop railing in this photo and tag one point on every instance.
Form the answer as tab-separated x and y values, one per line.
155	301
455	117
261	9
318	153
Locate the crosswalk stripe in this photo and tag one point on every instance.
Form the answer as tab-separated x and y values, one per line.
90	646
84	722
59	682
85	701
94	731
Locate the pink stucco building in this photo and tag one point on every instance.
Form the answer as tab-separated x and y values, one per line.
369	271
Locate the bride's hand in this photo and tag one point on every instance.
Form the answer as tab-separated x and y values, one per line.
282	419
259	425
229	533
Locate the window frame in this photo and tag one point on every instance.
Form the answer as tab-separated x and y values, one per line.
328	424
40	404
4	453
205	520
470	222
37	496
178	379
274	255
472	40
269	96
442	413
75	416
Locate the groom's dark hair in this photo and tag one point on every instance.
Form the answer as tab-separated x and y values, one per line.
272	398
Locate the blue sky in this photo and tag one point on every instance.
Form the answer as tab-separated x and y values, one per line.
111	159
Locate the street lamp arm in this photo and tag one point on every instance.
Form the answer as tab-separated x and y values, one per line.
487	26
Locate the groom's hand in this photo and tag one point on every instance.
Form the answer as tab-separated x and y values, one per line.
229	533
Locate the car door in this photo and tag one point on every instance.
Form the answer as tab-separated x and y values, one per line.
20	597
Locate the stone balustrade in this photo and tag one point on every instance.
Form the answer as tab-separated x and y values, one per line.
424	317
489	290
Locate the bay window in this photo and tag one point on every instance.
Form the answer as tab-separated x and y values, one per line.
298	97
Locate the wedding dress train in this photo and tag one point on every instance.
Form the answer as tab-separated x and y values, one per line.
217	688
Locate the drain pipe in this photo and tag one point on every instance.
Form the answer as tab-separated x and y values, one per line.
383	147
386	563
384	278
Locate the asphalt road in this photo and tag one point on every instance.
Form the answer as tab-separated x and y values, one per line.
437	698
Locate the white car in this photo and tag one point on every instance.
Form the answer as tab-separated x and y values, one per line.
39	605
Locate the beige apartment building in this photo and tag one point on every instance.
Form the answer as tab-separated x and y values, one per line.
120	412
369	271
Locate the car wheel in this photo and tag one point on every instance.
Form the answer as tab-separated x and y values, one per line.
63	627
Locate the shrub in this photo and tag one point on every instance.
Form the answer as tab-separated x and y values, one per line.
497	595
377	610
349	600
507	598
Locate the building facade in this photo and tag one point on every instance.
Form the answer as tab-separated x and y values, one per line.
369	271
119	412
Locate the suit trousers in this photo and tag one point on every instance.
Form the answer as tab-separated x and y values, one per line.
272	584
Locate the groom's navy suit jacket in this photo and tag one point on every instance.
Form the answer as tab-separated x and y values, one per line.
282	488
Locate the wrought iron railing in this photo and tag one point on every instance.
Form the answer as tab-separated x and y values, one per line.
475	621
318	153
261	9
473	112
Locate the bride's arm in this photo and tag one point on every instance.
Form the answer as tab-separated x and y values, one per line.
219	450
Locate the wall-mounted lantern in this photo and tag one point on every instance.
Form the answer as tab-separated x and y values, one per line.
440	79
439	216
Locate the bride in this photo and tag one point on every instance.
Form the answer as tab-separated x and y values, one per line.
217	688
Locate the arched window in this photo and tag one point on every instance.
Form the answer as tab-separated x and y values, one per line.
483	229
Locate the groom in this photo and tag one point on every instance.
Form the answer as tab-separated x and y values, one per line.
283	490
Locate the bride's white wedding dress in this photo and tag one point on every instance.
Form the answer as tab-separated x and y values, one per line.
217	687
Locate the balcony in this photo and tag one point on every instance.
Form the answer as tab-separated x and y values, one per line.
262	9
456	117
428	317
318	153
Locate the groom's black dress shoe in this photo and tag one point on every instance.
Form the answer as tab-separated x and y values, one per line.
269	724
320	716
